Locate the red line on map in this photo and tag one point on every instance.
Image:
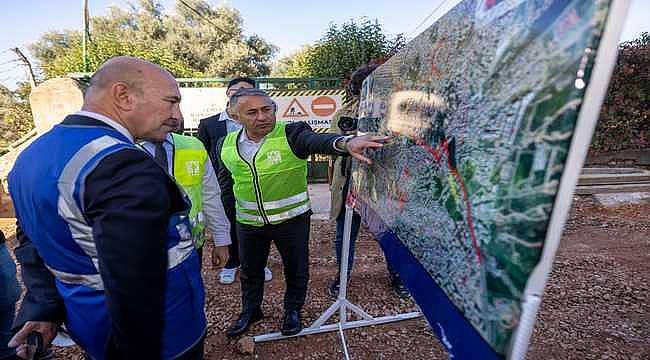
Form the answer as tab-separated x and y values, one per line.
436	152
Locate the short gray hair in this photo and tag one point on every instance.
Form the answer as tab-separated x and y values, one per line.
234	98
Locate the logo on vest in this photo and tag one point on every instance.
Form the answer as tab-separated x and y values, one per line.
192	167
273	157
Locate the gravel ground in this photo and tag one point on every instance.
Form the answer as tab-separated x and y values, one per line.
596	304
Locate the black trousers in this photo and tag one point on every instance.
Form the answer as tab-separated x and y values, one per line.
292	240
233	248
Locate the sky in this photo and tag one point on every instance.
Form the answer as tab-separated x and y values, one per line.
288	24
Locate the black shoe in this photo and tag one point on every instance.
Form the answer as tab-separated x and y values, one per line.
399	288
291	324
244	321
333	289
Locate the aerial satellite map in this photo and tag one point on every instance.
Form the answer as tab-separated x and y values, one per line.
482	107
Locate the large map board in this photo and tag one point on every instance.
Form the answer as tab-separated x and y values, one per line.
483	107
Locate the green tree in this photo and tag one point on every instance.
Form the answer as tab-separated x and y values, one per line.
625	116
202	41
342	50
15	114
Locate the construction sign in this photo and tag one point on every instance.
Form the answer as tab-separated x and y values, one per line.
295	110
315	107
323	106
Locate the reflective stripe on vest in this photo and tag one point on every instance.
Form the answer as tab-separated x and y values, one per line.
272	187
67	205
277	217
79	228
270	205
189	167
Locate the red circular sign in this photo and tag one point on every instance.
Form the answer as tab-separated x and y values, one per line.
323	106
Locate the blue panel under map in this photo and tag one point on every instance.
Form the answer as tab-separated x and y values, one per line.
460	339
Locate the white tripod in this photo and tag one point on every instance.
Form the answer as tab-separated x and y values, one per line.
342	304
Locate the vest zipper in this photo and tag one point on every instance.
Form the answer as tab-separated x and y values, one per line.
256	184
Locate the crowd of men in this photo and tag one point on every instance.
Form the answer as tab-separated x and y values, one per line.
113	210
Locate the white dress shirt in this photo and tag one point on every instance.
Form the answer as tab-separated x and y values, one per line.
231	124
215	217
248	148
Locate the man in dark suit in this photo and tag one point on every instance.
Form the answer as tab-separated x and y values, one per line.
210	130
104	239
265	164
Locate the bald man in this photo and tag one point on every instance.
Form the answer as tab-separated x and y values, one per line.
104	238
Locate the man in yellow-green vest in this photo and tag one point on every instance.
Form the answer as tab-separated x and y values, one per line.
265	165
186	160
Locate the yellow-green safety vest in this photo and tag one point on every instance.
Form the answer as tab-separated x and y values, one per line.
189	166
272	188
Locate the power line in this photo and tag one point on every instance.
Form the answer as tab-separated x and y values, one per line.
427	18
203	16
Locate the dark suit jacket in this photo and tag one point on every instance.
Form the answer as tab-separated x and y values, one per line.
128	201
303	142
210	131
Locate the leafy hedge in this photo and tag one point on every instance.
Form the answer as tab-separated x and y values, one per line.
625	116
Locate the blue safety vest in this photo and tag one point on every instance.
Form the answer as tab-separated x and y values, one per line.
48	199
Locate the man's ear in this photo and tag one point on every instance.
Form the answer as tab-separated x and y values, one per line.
233	114
122	96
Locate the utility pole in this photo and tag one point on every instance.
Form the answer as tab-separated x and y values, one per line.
28	65
85	36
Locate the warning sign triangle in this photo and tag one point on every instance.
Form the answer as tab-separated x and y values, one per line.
295	110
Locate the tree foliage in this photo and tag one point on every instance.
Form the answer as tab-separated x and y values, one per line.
15	114
625	116
210	43
341	50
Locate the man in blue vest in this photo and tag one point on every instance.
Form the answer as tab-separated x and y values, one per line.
265	165
105	243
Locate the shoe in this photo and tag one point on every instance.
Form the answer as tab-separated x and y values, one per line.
399	288
227	276
333	289
268	275
291	325
244	321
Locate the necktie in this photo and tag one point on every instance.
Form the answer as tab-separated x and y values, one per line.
161	155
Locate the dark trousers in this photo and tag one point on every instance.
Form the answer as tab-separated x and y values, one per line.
338	240
233	248
292	240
